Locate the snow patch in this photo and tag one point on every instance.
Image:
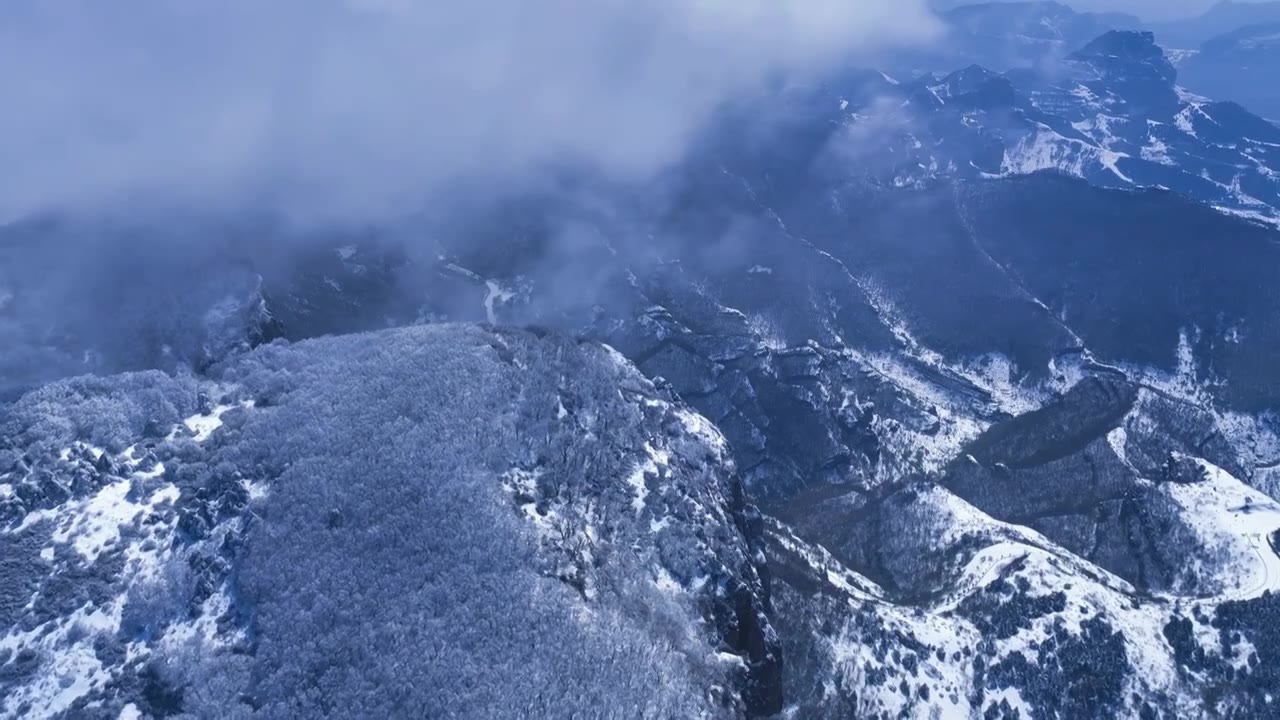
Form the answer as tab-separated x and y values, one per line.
702	429
70	669
93	524
1232	524
1157	151
495	294
1118	439
657	460
1048	149
203	426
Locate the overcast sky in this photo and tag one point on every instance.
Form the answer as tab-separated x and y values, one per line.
366	106
1149	9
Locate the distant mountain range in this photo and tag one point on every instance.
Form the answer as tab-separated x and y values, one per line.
1224	18
1112	113
1001	36
1227	53
1241	65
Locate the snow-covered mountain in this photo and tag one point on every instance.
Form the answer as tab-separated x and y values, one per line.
1005	35
1111	112
217	547
1227	53
1012	435
1099	551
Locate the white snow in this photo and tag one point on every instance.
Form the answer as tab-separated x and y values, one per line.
701	428
1046	568
461	271
1232	524
1013	698
203	426
495	294
1050	568
895	320
1187	96
203	629
522	482
731	659
256	490
821	561
1048	149
92	524
1098	129
651	465
1157	151
1110	160
1251	215
1118	440
70	670
956	426
1185	119
667	583
1087	96
997	374
618	358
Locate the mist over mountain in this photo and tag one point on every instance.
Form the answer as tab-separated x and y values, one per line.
1170	11
661	360
1220	19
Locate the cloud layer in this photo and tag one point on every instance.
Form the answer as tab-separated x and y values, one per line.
353	108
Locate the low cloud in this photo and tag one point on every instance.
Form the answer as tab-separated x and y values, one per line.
1148	9
357	109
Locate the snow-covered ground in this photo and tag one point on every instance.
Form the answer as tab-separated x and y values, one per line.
1233	525
202	426
133	514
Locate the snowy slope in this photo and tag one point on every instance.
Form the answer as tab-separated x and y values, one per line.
1016	621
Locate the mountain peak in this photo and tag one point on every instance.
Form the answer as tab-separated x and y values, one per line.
1139	46
1128	54
981	86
